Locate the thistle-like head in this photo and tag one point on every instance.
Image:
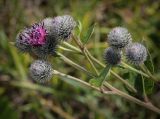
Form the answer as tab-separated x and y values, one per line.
112	56
37	34
136	53
119	37
31	37
64	26
41	71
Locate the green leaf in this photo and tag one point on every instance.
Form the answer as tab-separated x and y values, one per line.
88	34
79	28
147	87
138	84
130	77
149	63
101	78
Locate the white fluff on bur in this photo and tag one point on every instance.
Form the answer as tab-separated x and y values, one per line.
119	37
136	53
41	71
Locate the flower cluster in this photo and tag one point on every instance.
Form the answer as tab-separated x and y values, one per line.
42	40
119	38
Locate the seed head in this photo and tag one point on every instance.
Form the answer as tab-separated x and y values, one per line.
136	53
119	37
112	56
41	71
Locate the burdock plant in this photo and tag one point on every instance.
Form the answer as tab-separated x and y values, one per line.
43	39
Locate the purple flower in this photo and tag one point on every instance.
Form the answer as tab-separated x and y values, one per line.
37	35
33	36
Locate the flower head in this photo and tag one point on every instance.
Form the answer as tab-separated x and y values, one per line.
112	56
63	26
37	34
41	71
136	53
43	38
119	37
33	36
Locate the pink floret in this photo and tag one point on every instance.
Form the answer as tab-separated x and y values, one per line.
37	35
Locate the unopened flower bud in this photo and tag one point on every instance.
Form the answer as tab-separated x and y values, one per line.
112	56
136	53
119	37
41	71
64	26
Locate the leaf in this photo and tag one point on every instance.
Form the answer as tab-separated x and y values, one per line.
148	85
138	84
89	33
101	78
130	77
149	62
79	28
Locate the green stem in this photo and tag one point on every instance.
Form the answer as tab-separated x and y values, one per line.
66	49
67	60
83	50
71	47
88	85
144	90
135	70
133	99
94	59
97	73
145	69
124	81
113	91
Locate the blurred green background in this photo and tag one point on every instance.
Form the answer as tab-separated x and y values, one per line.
59	100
